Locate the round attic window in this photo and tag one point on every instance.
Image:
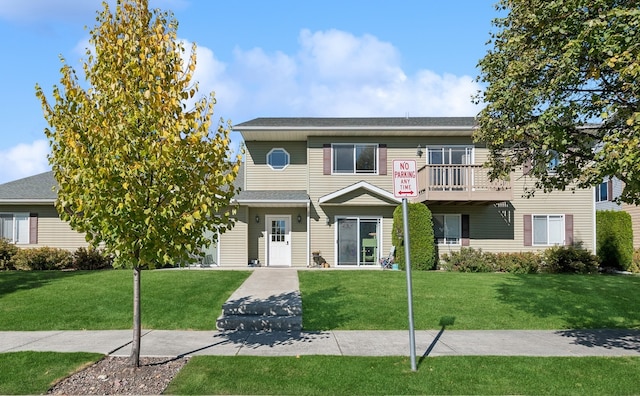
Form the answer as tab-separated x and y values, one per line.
278	158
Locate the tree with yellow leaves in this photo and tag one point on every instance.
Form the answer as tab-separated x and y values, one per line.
138	166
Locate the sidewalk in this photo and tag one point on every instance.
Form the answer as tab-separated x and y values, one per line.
344	343
281	285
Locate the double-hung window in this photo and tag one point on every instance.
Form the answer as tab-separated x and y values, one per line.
548	229
14	227
447	228
355	158
602	192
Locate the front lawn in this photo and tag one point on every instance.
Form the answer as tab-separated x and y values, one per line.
346	300
450	375
368	300
102	300
340	300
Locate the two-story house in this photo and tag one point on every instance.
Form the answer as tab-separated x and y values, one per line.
325	185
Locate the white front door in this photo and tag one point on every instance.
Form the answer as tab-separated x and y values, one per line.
278	240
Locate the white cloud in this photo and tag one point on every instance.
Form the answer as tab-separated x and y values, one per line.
24	160
335	73
340	56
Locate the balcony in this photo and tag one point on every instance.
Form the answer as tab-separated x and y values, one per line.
460	184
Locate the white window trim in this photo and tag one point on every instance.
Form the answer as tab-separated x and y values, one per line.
14	225
443	146
288	159
375	145
444	222
599	195
562	229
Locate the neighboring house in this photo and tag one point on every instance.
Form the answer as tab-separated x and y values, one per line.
28	217
606	194
326	184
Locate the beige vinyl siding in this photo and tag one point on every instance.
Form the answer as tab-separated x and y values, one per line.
397	148
52	231
361	203
257	239
323	237
260	176
500	227
232	242
634	211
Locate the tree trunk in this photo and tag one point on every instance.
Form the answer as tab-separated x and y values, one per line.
135	346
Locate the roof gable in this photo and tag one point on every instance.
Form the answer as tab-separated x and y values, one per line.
351	193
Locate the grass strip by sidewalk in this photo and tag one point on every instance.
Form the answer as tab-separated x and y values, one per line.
346	375
102	300
32	373
377	300
35	373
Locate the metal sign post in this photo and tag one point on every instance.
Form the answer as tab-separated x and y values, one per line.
407	260
405	184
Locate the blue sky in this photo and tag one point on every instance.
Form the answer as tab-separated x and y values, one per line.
279	58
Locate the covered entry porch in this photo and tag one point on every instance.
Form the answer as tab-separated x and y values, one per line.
277	227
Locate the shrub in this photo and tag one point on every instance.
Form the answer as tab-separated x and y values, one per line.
635	264
423	249
91	259
614	238
42	258
469	260
569	259
7	251
518	263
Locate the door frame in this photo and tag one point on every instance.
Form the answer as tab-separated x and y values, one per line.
379	221
267	220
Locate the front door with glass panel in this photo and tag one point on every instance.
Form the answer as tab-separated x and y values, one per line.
358	241
278	240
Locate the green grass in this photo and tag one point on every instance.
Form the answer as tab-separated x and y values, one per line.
102	300
335	300
368	300
345	375
30	373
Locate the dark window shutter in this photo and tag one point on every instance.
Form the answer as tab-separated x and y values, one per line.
610	190
568	229
465	230
527	230
382	159
326	159
33	228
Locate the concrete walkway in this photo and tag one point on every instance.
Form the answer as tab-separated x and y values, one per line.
273	283
343	343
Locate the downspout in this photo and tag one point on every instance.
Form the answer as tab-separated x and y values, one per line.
308	232
593	203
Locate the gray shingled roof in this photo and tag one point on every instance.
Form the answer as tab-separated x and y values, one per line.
352	122
39	187
33	188
273	196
